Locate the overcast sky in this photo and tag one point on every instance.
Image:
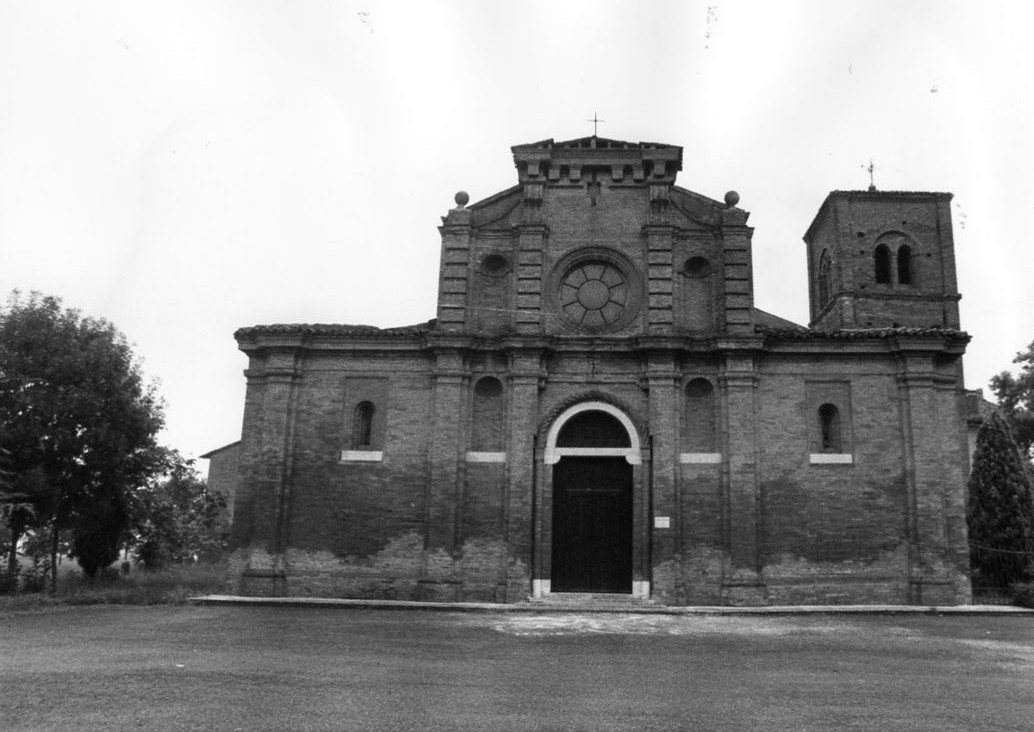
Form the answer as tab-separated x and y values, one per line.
187	168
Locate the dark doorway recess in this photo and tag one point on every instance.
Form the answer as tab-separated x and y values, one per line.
592	525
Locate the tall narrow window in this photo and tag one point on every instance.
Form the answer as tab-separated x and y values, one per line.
825	278
493	291
905	265
362	427
829	428
487	433
697	300
699	417
882	264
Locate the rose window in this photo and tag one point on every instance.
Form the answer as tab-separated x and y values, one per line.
594	295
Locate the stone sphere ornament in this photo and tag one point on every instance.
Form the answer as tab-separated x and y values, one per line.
461	198
732	198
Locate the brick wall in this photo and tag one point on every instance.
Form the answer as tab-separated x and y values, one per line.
452	497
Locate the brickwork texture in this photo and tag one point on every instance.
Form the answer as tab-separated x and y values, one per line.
773	463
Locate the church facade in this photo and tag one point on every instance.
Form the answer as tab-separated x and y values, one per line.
599	407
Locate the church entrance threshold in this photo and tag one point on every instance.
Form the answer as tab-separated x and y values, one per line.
592	525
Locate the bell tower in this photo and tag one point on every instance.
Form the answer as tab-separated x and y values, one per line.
882	259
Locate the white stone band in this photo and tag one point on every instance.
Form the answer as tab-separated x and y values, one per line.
830	458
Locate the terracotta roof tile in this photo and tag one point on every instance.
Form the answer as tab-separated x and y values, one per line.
859	333
334	329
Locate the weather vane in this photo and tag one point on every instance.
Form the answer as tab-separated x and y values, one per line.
872	183
595	121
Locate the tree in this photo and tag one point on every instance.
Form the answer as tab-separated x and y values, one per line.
1000	513
78	426
1015	396
177	518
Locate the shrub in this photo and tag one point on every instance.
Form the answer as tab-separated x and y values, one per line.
174	585
1023	594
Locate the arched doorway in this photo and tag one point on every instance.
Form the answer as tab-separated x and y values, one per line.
592	448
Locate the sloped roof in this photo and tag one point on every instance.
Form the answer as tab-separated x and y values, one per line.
354	331
212	453
859	333
765	319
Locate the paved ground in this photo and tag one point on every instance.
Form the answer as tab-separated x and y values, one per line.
281	668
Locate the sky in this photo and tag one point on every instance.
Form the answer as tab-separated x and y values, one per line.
185	168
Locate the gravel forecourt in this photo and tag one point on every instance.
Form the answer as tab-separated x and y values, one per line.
307	668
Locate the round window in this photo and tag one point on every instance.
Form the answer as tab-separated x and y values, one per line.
594	294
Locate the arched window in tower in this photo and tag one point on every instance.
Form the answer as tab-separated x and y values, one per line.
882	264
829	428
487	424
362	427
905	265
825	277
699	420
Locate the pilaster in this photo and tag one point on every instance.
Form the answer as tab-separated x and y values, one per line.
742	584
531	243
276	375
659	244
738	275
933	473
454	273
450	380
663	378
525	380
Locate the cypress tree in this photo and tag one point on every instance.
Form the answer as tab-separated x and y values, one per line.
1000	512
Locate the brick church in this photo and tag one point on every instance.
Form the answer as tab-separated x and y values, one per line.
598	407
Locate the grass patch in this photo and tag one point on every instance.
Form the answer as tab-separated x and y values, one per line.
170	586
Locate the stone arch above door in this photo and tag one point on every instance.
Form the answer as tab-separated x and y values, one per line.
631	453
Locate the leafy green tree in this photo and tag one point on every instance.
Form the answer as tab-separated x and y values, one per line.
1015	396
78	425
1000	512
177	518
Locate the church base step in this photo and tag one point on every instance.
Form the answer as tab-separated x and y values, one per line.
616	599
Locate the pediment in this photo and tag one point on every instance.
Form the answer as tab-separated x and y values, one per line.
502	207
697	208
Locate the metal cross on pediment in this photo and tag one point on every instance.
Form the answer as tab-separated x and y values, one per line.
595	122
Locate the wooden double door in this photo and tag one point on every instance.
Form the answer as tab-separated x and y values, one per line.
592	525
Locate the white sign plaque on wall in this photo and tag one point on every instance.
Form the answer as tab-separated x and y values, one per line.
662	522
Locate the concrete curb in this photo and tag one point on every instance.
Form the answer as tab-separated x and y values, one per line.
550	608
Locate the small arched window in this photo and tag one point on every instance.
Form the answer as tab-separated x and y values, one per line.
829	428
825	277
362	426
905	265
881	260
